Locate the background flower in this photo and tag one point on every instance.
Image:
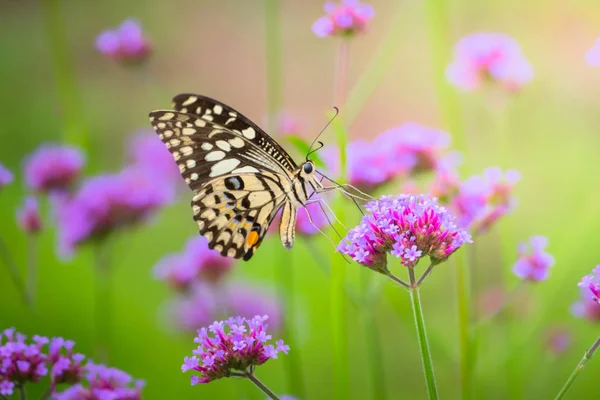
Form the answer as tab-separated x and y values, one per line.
346	18
53	167
125	43
534	262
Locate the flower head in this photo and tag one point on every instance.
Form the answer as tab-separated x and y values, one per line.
344	19
124	44
229	346
6	177
592	57
53	167
589	306
29	217
108	202
534	262
196	262
488	56
102	382
21	361
407	226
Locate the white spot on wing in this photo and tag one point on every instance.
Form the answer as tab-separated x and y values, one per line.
223	145
238	143
166	116
194	176
206	146
214	156
200	122
218	109
190	163
189	100
247	168
188	131
249	133
186	150
223	167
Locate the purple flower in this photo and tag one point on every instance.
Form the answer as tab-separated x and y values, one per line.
420	228
103	383
6	177
197	262
195	308
6	387
125	44
344	19
148	152
558	340
482	200
20	361
589	306
227	349
246	300
29	217
592	57
106	203
53	167
534	262
488	56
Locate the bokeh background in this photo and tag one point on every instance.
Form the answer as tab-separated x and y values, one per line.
217	48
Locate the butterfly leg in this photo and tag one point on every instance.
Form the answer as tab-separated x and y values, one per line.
324	234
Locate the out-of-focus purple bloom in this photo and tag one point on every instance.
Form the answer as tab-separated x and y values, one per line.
124	44
489	56
482	200
558	340
6	386
6	177
407	226
592	57
53	167
149	153
106	203
589	306
287	124
401	151
29	217
20	361
534	262
103	383
196	262
246	300
232	345
194	309
344	19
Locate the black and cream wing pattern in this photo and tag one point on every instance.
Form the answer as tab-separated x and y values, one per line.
239	175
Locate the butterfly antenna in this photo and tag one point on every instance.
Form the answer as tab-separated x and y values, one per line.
337	111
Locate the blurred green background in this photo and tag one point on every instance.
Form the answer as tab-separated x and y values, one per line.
217	48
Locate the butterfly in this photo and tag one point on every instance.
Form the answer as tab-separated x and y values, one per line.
241	177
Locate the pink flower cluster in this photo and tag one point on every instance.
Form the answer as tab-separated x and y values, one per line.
6	177
344	19
534	262
398	152
589	305
53	168
496	57
407	226
125	44
231	346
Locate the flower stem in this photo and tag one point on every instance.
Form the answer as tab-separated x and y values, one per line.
422	336
32	268
74	126
376	369
398	280
13	271
102	300
425	274
261	385
22	393
341	72
587	356
463	293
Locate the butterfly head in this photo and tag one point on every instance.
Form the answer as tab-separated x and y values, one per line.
307	169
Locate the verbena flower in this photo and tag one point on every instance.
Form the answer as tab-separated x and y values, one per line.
67	367
534	262
6	177
486	56
483	199
589	305
53	167
22	362
194	309
147	152
344	19
234	345
102	382
124	44
196	262
592	57
397	152
106	203
408	227
29	217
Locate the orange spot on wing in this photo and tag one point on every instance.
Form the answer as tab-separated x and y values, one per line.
252	238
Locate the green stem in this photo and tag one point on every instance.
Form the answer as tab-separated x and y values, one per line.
22	393
102	301
587	356
463	293
32	267
13	271
261	385
425	274
375	368
74	126
273	61
422	336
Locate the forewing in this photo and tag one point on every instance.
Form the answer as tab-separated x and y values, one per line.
234	212
224	115
205	150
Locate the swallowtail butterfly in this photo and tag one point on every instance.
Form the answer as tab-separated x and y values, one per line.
240	176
